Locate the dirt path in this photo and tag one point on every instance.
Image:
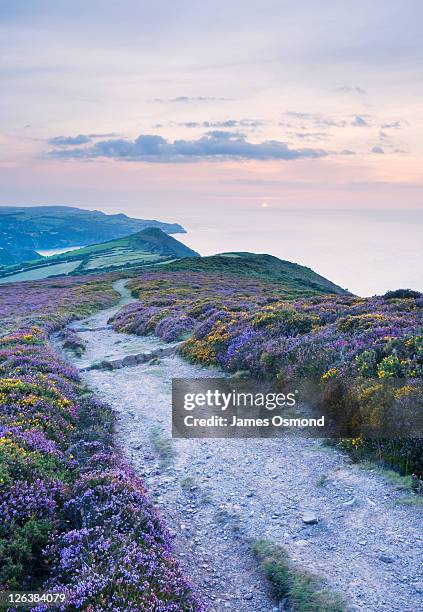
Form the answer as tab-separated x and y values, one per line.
215	494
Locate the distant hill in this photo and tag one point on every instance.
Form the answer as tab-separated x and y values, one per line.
295	279
25	230
150	246
7	258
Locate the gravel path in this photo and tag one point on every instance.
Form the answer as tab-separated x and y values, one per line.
216	494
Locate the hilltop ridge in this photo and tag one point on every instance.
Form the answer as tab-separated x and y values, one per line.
293	276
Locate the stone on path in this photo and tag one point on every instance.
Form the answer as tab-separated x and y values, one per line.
309	518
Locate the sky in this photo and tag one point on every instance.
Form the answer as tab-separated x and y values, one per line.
180	111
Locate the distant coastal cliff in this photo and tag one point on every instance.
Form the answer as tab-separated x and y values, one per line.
25	230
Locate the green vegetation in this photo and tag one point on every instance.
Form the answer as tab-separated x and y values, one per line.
188	483
40	272
74	516
322	480
150	246
402	483
15	255
25	230
304	591
363	356
163	446
293	278
206	499
411	500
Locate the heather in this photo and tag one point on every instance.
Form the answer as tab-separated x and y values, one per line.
365	355
74	517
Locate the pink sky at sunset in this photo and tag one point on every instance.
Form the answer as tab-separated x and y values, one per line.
180	111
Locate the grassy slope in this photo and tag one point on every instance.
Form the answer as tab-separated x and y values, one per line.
296	278
151	245
27	229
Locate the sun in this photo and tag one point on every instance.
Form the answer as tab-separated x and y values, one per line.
264	205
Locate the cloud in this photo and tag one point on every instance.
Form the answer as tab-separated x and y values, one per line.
394	125
106	135
378	150
359	122
228	123
352	89
309	135
316	119
330	122
297	115
185	99
214	145
66	141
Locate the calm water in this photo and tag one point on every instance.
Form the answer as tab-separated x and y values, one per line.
49	252
365	252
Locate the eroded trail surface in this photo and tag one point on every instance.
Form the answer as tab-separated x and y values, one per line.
216	494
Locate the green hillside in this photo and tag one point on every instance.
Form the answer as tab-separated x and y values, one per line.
25	230
13	255
293	277
150	246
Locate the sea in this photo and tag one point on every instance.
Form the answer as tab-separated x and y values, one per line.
366	252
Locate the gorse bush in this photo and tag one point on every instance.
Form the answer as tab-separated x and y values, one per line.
402	293
74	517
349	347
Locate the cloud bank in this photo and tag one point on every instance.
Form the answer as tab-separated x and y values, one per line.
65	141
185	99
214	145
352	89
227	123
359	122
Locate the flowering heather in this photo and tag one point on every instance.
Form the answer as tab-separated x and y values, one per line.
349	346
72	341
74	517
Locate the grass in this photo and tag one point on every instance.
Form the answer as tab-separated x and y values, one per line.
229	515
116	259
206	499
149	246
402	483
304	591
322	480
410	500
188	483
163	446
298	280
40	272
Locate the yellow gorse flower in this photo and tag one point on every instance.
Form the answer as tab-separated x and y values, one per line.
329	374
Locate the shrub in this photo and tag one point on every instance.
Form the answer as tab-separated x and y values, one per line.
249	325
402	294
75	518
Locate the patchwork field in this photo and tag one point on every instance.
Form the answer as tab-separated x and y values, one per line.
39	273
149	247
